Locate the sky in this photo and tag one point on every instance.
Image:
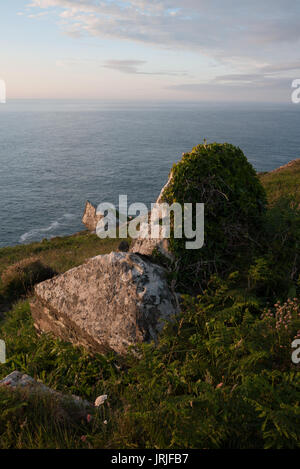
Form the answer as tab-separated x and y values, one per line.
174	50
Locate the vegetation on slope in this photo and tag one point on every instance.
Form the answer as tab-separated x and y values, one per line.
57	255
221	376
283	183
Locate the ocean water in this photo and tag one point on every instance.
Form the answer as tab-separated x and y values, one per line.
54	155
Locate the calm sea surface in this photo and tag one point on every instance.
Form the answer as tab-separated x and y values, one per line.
54	155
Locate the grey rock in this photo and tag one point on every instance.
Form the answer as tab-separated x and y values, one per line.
160	197
90	217
17	380
144	244
147	247
109	303
100	400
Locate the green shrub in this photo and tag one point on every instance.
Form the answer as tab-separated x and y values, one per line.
275	267
219	176
20	278
261	277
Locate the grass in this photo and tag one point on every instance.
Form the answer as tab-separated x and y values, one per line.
219	378
58	254
283	183
36	421
39	421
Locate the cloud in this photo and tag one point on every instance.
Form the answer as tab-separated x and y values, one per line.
251	38
38	15
262	89
240	78
133	67
282	67
192	23
125	66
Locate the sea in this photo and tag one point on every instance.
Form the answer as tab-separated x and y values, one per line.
56	154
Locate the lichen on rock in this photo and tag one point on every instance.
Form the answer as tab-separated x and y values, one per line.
111	302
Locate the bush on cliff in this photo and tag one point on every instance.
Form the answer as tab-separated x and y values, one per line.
219	176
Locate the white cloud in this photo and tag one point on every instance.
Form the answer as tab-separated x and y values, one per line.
38	15
190	23
134	67
260	89
246	38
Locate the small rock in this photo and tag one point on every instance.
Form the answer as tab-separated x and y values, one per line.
17	380
160	198
144	244
100	400
90	217
123	246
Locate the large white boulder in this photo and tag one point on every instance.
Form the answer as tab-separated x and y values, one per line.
109	303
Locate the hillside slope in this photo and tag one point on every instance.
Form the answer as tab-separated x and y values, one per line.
283	182
221	375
